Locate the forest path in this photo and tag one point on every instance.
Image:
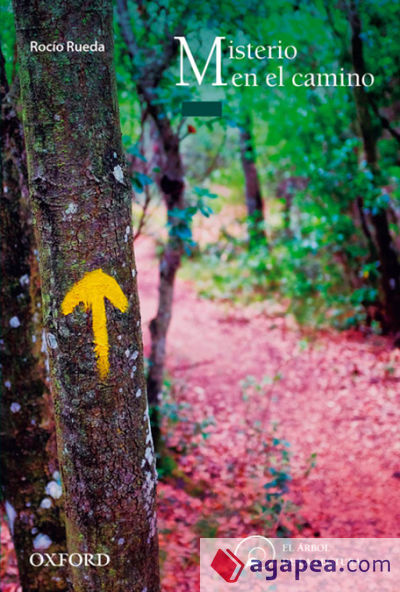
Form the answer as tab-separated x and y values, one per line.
338	398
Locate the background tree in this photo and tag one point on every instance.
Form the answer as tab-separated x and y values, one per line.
254	201
147	76
81	202
370	131
148	33
29	468
308	139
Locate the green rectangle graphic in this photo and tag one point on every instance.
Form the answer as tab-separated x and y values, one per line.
202	108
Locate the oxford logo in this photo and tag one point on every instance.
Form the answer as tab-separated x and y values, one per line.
73	559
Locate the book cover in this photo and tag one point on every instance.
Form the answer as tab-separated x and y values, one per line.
200	285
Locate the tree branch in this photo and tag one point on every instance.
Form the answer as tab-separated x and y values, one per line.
154	71
384	121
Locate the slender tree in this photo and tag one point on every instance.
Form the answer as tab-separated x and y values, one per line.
29	468
82	207
174	20
254	201
172	185
388	259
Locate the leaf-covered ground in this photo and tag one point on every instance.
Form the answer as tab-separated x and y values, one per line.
236	373
335	395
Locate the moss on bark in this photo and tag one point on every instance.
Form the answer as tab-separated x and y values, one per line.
28	452
82	207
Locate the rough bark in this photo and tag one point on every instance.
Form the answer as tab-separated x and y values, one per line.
388	259
171	183
254	202
28	456
82	206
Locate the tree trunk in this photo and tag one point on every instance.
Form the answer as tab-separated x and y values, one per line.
389	263
82	207
287	190
373	254
254	202
29	468
171	182
172	188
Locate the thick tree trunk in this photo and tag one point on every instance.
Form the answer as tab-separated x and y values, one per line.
82	206
28	457
389	263
254	202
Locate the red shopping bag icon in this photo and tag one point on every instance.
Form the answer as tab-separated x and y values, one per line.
227	565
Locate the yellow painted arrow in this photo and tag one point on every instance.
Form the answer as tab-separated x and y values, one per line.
91	291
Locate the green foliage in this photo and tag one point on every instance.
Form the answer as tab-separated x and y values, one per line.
302	270
172	411
311	462
207	528
180	220
165	466
319	262
7	37
140	181
277	514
